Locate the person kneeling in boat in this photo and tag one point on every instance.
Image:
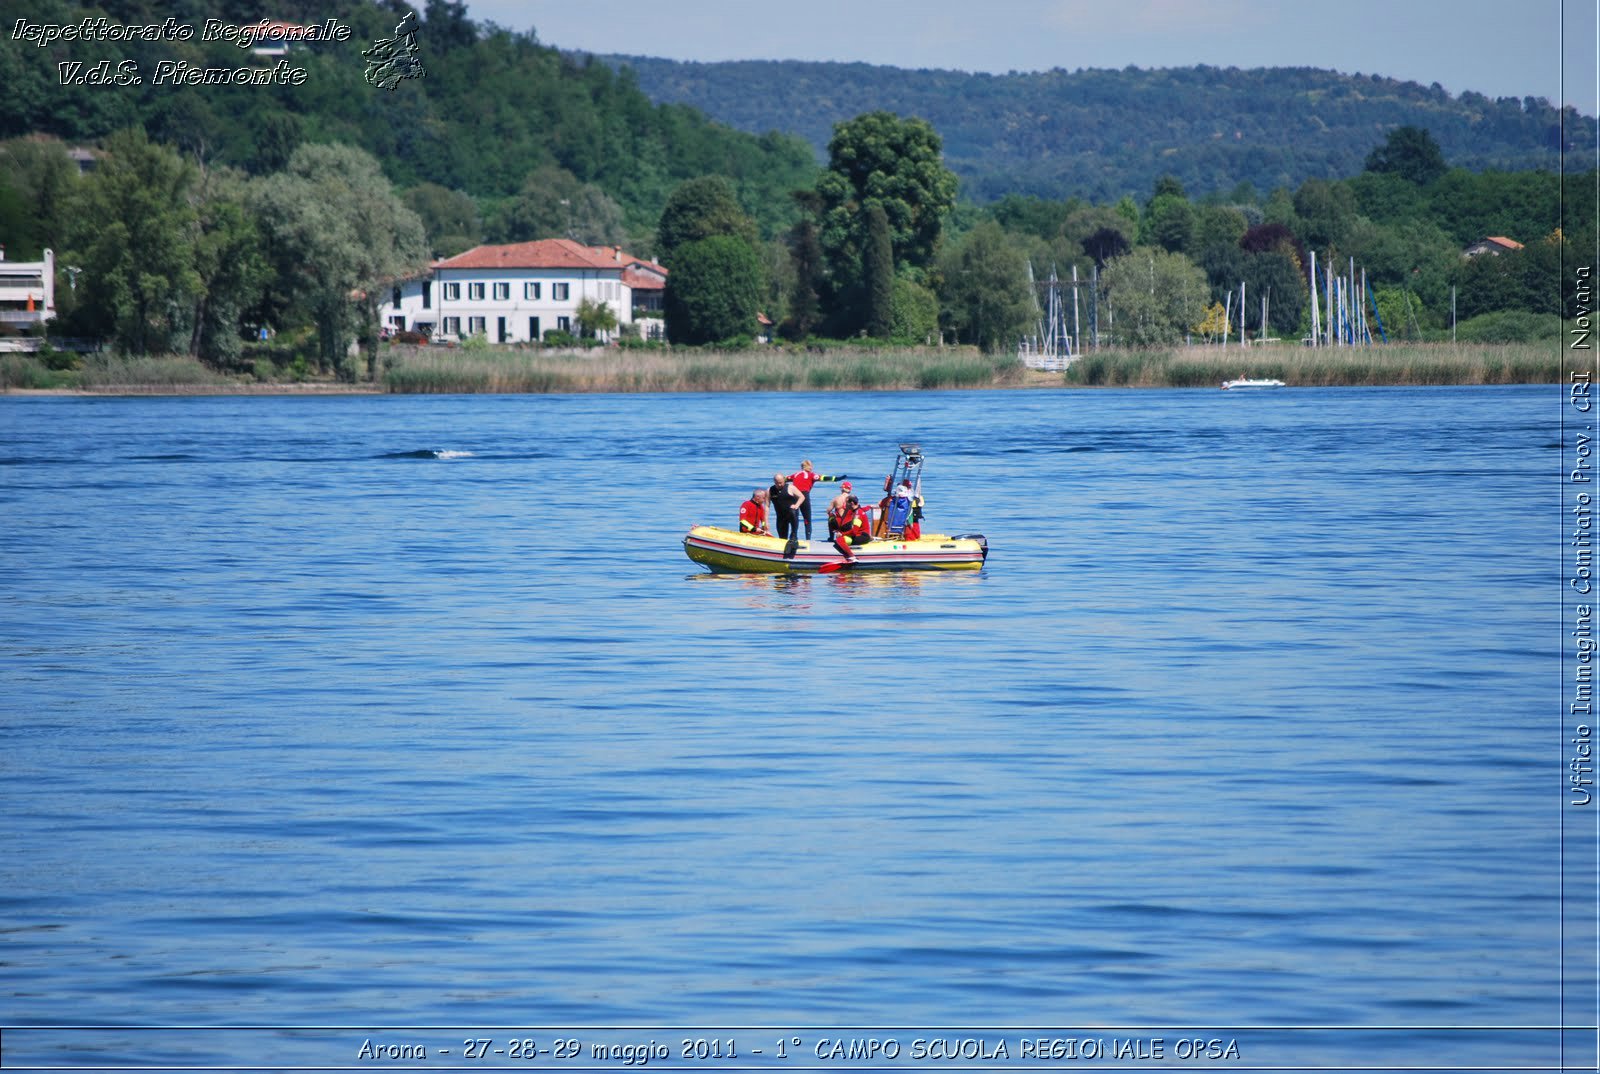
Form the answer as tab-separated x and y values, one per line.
753	515
851	527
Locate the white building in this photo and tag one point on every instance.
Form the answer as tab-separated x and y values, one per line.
519	292
27	293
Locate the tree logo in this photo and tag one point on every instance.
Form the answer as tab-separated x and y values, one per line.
392	59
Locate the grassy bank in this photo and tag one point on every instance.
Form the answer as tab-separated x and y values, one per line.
767	369
1400	363
847	368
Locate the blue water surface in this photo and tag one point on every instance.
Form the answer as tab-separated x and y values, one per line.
411	711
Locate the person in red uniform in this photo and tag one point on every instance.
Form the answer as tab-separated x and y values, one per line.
753	515
851	526
803	479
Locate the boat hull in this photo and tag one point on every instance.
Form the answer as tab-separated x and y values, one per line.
727	552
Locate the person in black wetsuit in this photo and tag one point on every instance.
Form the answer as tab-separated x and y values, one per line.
786	499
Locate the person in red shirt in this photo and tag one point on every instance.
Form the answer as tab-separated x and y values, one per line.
803	479
753	515
851	526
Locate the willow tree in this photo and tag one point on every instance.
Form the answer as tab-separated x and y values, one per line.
338	237
986	294
133	228
1156	296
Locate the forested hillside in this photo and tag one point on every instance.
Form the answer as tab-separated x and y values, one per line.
494	108
1100	134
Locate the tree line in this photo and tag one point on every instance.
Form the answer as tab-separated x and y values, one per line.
160	254
883	249
164	252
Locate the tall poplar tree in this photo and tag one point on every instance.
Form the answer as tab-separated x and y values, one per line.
878	268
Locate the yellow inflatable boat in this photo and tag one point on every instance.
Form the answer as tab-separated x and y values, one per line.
897	543
728	552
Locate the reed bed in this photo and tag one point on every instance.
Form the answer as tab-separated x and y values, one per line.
421	370
1394	364
154	374
27	372
844	368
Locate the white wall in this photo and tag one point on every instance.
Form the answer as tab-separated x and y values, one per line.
517	306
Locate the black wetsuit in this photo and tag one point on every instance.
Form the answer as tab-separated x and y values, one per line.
783	510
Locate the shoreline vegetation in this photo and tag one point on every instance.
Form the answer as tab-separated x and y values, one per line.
421	370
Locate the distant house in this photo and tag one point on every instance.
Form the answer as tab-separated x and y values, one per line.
1494	244
517	293
648	283
275	41
27	293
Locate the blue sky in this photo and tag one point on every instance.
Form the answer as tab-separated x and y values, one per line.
1502	48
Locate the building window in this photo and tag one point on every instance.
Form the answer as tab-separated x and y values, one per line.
475	292
530	291
475	326
452	325
533	327
452	292
560	291
397	298
502	292
427	294
563	324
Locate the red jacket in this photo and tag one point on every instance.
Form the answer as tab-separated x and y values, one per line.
852	523
804	479
752	517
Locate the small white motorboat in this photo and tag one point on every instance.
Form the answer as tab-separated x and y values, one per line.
1251	382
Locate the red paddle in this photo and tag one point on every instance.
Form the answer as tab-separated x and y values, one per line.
835	565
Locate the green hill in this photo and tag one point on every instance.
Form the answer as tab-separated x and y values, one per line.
493	108
1100	134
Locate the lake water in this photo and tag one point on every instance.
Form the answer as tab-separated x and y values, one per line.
411	712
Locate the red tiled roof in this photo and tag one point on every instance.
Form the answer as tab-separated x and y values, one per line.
1501	240
641	279
544	253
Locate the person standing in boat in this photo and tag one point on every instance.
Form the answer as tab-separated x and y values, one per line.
803	479
753	515
786	498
